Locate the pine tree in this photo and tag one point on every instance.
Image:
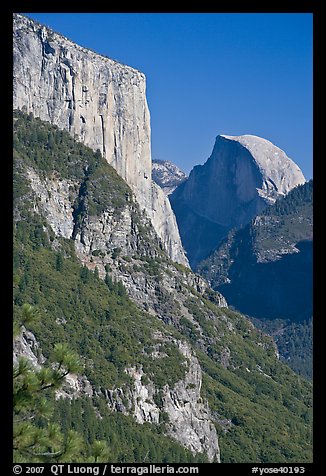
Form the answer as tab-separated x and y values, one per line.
35	438
59	262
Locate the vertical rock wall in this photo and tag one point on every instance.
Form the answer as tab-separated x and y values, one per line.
101	102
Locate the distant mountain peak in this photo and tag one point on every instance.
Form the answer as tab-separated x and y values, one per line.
167	175
243	175
279	171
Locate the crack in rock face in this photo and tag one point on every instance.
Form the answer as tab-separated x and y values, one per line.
243	175
189	417
101	103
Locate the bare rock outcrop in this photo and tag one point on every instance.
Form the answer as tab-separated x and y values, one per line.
187	416
243	175
100	102
167	175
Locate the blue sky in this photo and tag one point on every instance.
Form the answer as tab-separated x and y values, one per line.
210	74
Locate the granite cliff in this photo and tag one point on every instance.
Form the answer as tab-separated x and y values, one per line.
159	347
96	211
243	175
100	102
98	255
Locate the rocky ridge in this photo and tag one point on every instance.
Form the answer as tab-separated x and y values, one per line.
190	419
116	241
265	268
204	361
100	102
243	175
126	243
167	175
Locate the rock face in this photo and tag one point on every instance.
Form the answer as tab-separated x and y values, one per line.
189	419
243	175
189	415
265	268
100	237
101	102
165	225
167	175
26	345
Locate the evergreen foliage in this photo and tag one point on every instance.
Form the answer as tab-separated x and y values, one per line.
293	202
294	342
100	321
266	406
56	153
261	274
128	441
36	437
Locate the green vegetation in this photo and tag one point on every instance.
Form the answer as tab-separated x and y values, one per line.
294	342
261	274
88	431
253	408
293	202
262	410
249	390
128	441
55	153
97	318
37	438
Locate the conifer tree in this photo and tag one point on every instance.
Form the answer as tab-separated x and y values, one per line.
35	438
